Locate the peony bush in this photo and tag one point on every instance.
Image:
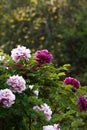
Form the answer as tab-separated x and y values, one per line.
36	95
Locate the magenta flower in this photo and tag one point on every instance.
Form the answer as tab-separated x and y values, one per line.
51	127
72	81
17	83
20	53
67	80
82	103
46	109
7	98
43	56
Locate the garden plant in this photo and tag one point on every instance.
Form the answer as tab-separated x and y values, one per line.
37	95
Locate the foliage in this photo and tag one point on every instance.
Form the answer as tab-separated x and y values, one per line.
75	35
59	25
48	79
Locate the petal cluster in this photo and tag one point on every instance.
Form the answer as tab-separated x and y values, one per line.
7	98
17	83
46	109
36	92
72	81
82	103
20	53
51	127
43	56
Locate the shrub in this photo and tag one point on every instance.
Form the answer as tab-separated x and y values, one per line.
41	99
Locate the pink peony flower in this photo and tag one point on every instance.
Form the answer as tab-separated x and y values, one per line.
72	81
43	56
19	53
31	87
17	83
56	127
36	92
51	127
36	108
46	109
6	97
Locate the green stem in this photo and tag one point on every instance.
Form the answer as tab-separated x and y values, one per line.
30	122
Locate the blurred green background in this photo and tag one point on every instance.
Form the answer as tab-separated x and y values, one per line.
57	25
